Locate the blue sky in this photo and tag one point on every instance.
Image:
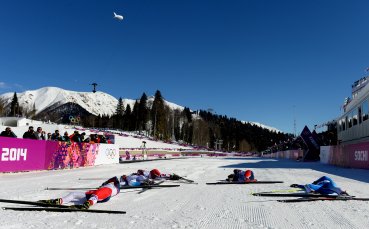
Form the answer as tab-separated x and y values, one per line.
264	61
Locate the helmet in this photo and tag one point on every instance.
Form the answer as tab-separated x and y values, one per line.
249	174
140	172
236	171
123	178
230	177
115	182
154	173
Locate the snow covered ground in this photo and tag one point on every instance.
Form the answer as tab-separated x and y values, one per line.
191	205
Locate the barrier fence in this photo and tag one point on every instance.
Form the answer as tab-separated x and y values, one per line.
344	155
27	155
350	155
288	154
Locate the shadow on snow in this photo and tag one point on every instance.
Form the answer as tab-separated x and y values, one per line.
355	174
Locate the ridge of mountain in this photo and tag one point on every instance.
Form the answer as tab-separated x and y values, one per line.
100	103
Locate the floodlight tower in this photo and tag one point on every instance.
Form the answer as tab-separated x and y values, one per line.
94	84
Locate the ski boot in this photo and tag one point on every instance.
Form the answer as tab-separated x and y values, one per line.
57	201
86	205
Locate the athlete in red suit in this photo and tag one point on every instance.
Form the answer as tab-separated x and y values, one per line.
107	190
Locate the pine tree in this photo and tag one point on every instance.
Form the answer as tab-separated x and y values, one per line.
159	117
200	133
120	107
126	118
2	107
118	117
14	106
32	113
134	117
143	113
188	114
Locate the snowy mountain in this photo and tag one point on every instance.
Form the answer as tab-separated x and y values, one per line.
98	103
54	99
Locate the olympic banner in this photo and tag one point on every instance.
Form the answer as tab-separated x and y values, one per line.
107	154
21	154
353	155
62	155
358	155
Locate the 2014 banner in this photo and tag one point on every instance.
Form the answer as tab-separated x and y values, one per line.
27	155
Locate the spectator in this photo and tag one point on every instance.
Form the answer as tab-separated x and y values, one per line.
56	136
75	137
97	138
88	139
65	137
103	139
40	134
49	136
8	133
83	136
30	134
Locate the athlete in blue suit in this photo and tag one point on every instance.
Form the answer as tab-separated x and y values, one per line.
324	185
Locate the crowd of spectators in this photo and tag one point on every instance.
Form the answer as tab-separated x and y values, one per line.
39	134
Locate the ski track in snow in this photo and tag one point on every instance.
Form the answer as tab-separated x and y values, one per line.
191	205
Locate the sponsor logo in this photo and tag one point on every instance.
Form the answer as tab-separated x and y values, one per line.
110	153
13	154
361	155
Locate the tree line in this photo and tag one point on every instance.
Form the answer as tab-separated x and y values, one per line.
156	119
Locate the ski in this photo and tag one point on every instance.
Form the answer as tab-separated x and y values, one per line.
240	182
53	209
157	159
92	178
122	187
188	180
70	188
183	182
145	189
322	199
151	186
301	194
34	203
292	190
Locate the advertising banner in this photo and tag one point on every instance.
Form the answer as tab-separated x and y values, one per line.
358	155
107	154
27	155
353	155
21	154
72	155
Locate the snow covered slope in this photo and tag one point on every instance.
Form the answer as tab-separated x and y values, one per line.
98	103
